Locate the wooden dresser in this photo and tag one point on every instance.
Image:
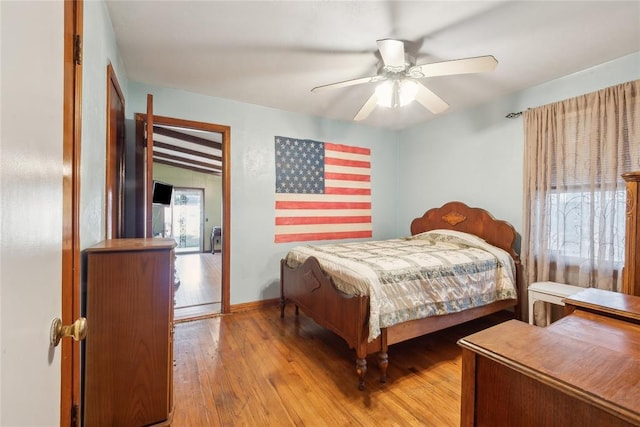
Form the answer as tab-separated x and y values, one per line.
582	370
129	346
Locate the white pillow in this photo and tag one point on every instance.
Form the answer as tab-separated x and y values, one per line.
460	234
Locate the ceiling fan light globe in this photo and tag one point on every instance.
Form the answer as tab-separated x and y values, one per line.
408	92
384	93
392	94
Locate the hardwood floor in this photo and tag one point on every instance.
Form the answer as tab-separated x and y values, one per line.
255	369
199	294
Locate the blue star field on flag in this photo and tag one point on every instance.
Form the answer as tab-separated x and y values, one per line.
299	166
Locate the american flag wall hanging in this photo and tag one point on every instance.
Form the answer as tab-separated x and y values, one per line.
323	191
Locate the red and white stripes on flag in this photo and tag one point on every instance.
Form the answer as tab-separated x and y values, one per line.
323	191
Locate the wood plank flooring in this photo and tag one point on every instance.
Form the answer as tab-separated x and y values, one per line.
255	369
200	290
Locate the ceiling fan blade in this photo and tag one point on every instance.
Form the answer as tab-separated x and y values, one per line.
392	53
353	82
430	100
478	64
367	108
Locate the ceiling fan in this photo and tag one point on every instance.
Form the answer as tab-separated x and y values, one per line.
400	76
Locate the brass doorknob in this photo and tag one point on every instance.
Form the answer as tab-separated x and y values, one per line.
77	330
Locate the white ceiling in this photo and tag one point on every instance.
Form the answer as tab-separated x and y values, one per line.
271	53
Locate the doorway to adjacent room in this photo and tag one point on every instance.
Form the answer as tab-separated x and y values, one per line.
198	291
192	157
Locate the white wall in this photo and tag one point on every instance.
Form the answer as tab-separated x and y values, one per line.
99	49
476	156
254	255
31	214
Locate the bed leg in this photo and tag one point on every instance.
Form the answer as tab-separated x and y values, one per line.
361	369
383	356
282	308
383	362
297	310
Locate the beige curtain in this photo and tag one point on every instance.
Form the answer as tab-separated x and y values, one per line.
574	196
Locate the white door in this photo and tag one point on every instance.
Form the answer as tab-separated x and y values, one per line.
31	209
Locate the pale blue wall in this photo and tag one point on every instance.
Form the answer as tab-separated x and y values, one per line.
255	258
99	49
476	155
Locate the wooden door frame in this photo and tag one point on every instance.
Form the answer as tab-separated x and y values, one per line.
70	388
148	167
225	131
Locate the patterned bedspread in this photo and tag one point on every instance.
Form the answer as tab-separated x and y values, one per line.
429	274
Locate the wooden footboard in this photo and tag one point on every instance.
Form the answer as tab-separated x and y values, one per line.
346	315
314	292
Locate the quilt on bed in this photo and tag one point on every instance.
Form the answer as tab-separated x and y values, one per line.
429	274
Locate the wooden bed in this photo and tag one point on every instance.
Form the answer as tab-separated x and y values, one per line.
311	290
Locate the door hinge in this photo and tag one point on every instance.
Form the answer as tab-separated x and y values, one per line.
74	416
77	49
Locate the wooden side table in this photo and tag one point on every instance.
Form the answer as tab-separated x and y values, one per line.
549	292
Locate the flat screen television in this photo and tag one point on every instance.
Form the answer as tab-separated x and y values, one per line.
162	193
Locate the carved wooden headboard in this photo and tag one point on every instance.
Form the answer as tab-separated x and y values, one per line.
460	217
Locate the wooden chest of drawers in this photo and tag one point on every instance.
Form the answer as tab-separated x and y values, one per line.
129	344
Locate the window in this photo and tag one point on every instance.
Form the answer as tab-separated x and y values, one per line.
602	214
574	209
